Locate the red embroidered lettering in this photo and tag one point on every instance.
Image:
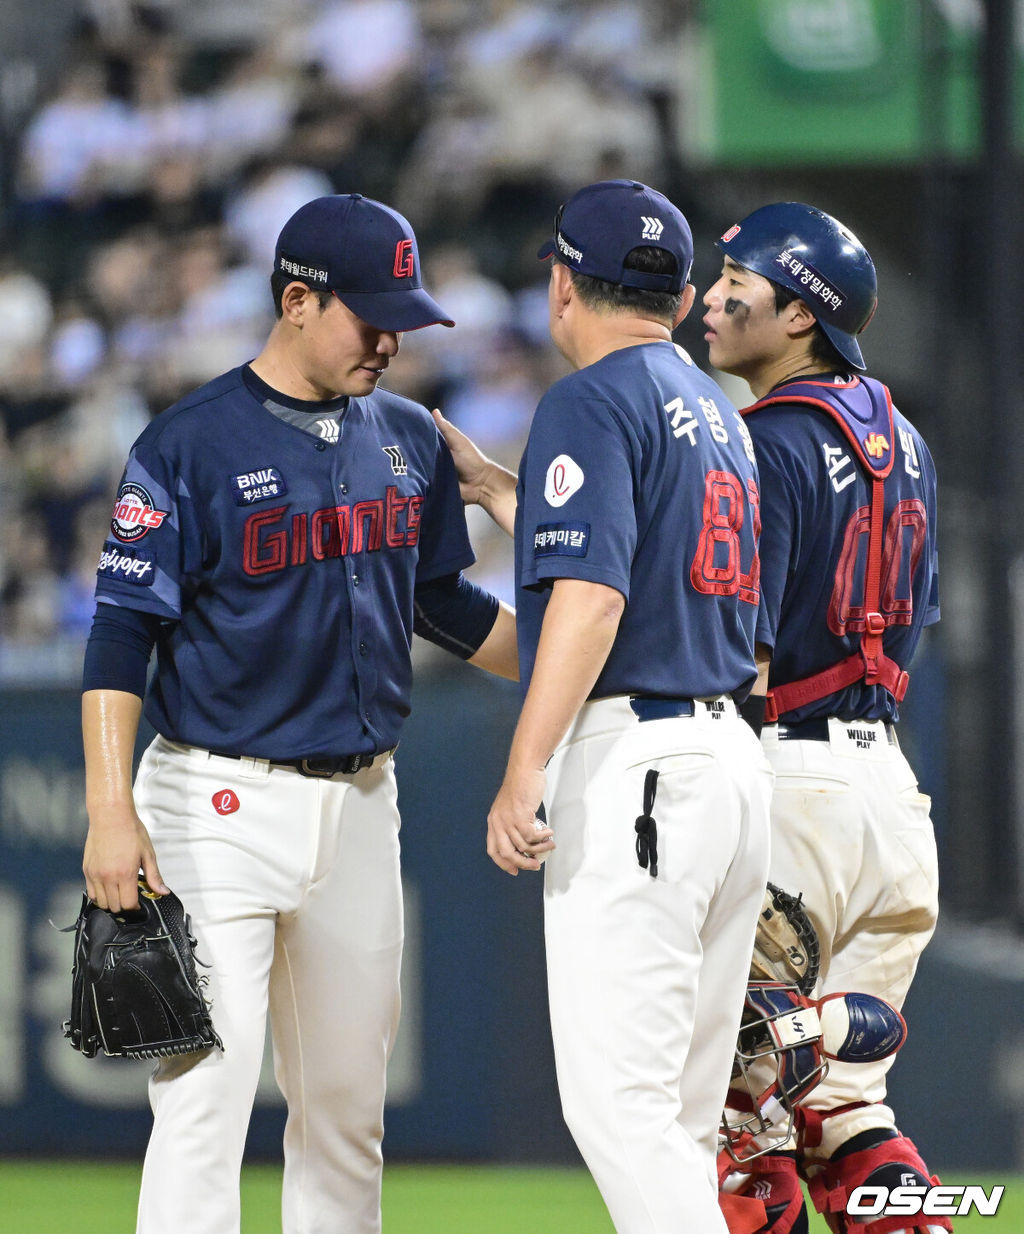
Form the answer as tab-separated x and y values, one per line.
412	536
367	520
723	523
329	532
750	583
395	507
913	515
334	531
405	260
845	617
299	525
263	554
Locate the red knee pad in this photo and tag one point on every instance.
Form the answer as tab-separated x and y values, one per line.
830	1190
773	1183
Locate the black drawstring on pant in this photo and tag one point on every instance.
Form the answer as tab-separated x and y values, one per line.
646	828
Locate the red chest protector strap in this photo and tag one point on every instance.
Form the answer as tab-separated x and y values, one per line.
869	663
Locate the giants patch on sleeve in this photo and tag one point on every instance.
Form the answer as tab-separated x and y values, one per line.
561	540
130	565
135	514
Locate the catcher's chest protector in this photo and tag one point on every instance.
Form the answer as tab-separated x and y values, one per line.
862	409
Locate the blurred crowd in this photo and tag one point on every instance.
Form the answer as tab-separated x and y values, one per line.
170	141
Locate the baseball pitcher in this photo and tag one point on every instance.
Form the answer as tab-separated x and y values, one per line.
279	534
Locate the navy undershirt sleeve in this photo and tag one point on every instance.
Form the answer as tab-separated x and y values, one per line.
454	613
117	653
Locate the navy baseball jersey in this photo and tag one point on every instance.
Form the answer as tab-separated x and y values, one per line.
815	504
282	563
639	474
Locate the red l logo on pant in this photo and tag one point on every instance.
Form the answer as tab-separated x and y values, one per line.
225	801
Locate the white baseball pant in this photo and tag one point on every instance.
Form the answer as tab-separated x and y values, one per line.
296	903
646	975
852	831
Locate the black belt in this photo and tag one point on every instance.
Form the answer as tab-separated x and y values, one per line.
816	729
646	708
343	764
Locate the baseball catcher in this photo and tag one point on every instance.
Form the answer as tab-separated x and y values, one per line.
135	992
848	583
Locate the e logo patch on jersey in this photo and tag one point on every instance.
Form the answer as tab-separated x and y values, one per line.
565	477
225	801
129	565
259	485
134	513
561	539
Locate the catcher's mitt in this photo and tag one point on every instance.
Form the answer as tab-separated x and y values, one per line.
786	943
135	991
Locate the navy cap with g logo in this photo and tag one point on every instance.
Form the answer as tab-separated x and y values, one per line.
600	225
365	253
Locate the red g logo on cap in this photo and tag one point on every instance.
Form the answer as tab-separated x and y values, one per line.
405	262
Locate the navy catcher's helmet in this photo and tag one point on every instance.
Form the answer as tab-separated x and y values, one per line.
816	257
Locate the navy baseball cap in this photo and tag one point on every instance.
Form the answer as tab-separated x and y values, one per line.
365	253
600	225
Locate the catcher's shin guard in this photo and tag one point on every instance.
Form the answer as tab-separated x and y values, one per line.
891	1162
771	1179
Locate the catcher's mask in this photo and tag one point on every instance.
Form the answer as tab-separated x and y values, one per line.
779	1059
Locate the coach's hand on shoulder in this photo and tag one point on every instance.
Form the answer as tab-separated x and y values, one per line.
482	481
470	462
116	849
516	838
